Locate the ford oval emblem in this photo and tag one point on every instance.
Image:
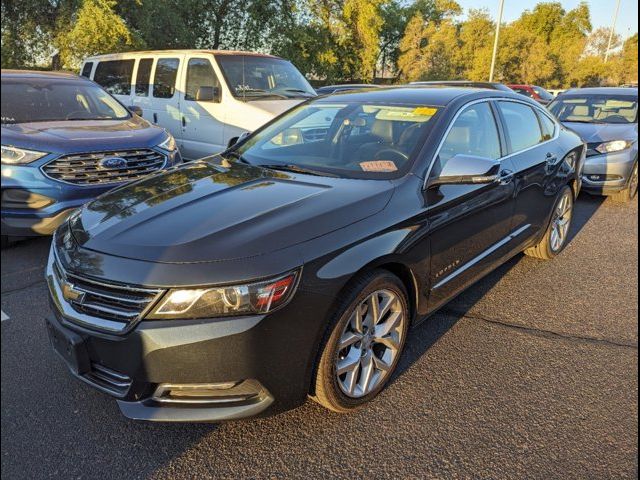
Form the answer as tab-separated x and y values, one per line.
113	162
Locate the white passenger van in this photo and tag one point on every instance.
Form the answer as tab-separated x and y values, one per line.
205	98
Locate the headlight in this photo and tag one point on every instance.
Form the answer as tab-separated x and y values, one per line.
248	299
19	156
614	146
169	144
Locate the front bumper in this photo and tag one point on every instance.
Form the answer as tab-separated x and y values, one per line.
608	174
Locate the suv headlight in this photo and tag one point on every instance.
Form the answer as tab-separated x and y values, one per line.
614	146
169	144
19	156
251	298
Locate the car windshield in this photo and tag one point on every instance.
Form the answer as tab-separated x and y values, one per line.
45	100
251	77
345	139
618	109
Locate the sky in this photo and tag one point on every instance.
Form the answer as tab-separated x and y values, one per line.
601	11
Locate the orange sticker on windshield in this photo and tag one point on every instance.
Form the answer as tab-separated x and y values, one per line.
426	111
378	166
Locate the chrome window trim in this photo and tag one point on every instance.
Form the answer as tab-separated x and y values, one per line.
490	100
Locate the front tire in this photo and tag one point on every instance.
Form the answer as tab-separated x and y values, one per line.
631	190
366	340
557	235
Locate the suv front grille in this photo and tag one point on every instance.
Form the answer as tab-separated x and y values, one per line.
119	303
93	168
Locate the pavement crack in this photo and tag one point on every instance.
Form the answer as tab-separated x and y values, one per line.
540	332
24	287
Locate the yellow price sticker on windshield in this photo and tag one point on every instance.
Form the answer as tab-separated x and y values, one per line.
426	111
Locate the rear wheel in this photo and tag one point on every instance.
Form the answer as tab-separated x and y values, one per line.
556	237
366	341
631	191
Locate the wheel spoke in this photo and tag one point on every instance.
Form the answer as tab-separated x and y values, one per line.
367	372
349	338
349	363
388	342
381	364
386	306
352	379
383	329
374	310
356	320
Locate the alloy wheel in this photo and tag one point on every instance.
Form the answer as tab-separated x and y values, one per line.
561	221
633	182
370	343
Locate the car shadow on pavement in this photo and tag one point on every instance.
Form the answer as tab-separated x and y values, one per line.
425	335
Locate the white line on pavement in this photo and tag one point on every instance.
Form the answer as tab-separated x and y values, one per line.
4	316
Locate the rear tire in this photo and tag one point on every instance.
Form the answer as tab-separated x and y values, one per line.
366	339
556	237
631	190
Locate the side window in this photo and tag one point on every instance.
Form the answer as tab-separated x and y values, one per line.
199	74
473	133
115	76
522	125
143	77
164	78
86	70
548	127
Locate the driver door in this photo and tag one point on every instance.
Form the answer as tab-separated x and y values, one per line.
469	224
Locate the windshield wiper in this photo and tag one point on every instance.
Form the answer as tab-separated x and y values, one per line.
258	93
296	169
297	90
238	157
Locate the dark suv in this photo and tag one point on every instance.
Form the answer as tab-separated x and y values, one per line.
295	264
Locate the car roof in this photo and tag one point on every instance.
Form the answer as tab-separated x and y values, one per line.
632	92
439	96
177	52
7	73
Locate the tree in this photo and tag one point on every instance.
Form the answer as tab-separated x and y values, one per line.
599	41
476	45
96	29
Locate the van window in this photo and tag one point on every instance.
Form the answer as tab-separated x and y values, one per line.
199	74
522	125
143	77
164	78
115	76
86	70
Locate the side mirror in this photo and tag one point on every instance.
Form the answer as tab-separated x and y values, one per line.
209	94
135	109
235	140
467	170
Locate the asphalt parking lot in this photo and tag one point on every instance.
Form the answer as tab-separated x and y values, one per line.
532	373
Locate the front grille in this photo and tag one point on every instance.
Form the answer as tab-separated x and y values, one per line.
105	300
89	169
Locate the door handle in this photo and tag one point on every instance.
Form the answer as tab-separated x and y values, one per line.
184	121
155	117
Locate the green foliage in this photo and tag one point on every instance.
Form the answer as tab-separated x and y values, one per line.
332	40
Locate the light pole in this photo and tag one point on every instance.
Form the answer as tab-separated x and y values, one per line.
495	41
613	30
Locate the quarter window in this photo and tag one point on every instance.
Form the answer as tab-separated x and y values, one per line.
199	74
143	77
548	127
522	125
164	79
473	133
86	70
115	76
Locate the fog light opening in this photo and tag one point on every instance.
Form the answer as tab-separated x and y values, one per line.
207	393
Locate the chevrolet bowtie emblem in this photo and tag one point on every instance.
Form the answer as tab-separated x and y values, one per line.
70	294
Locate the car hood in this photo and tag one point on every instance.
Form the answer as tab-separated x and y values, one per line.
592	133
83	135
203	212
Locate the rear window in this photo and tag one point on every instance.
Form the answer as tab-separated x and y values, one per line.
164	79
115	76
86	70
522	125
